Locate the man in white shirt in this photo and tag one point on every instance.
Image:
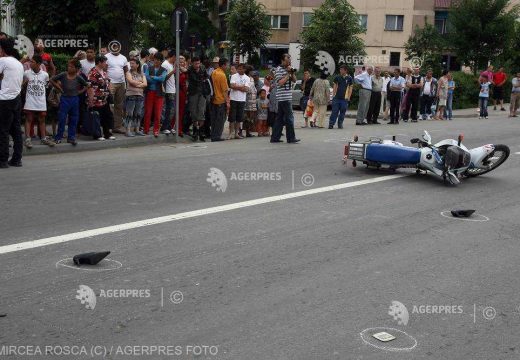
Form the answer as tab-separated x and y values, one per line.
385	108
397	85
428	95
11	73
365	80
117	69
238	94
88	63
169	94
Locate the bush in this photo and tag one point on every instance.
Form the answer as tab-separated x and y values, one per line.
467	89
60	61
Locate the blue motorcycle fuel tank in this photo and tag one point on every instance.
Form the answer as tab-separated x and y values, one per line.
392	154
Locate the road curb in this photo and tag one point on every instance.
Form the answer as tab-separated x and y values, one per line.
87	144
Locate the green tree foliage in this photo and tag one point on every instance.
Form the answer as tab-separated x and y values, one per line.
428	45
334	28
132	22
248	29
481	30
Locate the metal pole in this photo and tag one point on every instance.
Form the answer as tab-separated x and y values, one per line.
177	72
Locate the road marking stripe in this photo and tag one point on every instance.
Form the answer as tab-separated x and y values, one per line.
186	215
517	153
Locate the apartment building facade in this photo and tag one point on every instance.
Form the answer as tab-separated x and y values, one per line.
388	24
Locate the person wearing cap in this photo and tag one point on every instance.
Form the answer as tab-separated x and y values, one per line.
214	66
117	69
169	94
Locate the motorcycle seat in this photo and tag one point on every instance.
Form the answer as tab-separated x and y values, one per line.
392	154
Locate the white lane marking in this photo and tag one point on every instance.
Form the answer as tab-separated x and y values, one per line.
517	153
187	215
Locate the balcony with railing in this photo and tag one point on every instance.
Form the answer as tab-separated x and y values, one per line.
443	4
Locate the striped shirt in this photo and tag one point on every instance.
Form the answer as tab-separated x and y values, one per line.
283	92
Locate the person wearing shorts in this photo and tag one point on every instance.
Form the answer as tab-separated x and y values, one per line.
35	108
238	96
499	80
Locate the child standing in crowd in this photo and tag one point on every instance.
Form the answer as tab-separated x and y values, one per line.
70	85
262	105
155	77
134	98
250	118
484	96
273	103
36	80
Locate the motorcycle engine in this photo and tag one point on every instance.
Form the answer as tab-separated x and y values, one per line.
456	158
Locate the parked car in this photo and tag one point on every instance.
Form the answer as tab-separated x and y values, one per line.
297	94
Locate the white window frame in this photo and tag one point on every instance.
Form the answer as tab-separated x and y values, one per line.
360	21
303	18
396	22
279	22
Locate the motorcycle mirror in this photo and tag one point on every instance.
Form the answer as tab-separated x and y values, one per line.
426	137
414	140
461	138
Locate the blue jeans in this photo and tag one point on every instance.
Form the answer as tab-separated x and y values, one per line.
134	111
285	118
168	112
449	107
483	104
339	106
303	103
69	106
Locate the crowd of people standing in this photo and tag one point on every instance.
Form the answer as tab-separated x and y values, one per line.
104	92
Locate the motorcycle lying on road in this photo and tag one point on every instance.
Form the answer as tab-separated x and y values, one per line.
448	159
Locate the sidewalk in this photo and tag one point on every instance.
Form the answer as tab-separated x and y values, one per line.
86	143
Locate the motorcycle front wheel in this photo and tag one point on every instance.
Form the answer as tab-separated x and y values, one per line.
492	161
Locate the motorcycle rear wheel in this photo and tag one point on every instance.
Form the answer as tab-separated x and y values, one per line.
494	160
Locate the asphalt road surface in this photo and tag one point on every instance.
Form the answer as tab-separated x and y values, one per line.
289	266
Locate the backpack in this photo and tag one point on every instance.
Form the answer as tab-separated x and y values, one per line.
207	88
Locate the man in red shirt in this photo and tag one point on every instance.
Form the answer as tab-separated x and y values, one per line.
499	79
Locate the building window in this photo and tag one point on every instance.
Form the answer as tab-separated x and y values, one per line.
395	59
307	19
440	25
394	22
279	21
363	21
